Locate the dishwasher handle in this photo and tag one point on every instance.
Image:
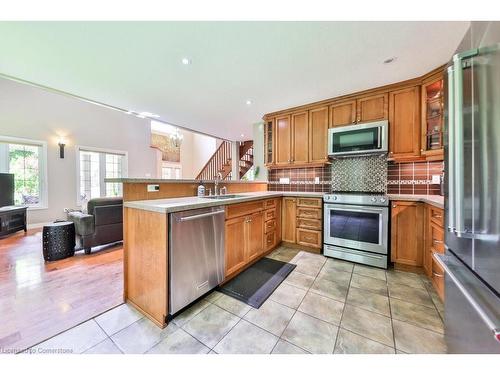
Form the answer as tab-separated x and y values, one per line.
200	216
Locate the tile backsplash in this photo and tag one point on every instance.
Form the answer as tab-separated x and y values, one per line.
317	179
364	173
414	178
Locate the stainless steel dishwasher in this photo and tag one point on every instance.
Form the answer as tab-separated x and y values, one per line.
196	254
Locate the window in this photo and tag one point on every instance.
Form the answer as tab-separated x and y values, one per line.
96	165
171	171
27	160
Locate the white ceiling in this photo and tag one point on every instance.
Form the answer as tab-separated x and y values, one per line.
137	65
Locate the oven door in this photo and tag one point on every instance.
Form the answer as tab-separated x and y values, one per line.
356	227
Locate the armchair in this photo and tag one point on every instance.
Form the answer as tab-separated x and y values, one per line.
102	224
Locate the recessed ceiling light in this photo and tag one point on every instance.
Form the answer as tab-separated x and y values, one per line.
242	135
390	60
186	61
248	102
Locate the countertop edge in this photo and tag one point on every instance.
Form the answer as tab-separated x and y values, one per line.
433	200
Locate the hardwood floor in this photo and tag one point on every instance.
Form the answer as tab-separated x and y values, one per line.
39	300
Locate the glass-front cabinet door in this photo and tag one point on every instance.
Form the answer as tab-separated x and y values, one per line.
432	118
269	141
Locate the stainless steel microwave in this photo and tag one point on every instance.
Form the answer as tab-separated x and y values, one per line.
359	139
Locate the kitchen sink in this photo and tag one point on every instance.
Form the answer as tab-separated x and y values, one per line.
227	196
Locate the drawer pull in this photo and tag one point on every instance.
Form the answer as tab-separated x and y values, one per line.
437	241
437	216
437	275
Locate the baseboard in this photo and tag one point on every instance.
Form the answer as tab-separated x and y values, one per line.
38	225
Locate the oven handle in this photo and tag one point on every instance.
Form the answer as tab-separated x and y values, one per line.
356	208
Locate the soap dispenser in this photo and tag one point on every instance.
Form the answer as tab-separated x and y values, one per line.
201	190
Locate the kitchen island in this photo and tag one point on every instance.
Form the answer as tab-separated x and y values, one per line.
253	228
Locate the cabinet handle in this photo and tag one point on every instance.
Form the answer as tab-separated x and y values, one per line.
437	275
437	241
437	216
394	206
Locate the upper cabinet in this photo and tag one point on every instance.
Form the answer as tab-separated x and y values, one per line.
372	108
300	136
269	141
432	118
283	141
414	109
404	124
343	113
318	135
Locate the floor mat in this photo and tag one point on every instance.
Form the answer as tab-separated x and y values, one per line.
254	285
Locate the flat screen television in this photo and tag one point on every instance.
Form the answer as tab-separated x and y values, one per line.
6	189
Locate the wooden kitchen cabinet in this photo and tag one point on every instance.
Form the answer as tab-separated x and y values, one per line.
307	237
289	213
407	233
432	114
300	137
235	245
404	124
254	236
343	113
269	140
283	141
434	244
372	108
318	135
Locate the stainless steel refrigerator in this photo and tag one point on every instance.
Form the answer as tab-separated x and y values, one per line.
472	193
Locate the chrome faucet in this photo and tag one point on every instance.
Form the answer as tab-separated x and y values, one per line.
218	178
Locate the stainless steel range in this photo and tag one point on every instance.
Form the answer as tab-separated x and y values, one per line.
356	227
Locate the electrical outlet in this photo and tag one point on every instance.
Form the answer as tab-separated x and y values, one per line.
436	179
316	180
284	180
153	188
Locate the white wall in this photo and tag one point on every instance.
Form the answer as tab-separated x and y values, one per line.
33	113
258	151
196	149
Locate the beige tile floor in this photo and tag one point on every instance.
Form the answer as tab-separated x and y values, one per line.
324	306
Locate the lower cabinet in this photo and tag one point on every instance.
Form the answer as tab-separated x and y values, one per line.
302	222
407	233
248	234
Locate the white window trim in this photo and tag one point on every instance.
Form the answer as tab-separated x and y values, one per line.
79	148
170	164
43	161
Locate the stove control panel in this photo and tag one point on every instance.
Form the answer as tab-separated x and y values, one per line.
357	199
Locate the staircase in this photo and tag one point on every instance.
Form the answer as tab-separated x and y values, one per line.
220	161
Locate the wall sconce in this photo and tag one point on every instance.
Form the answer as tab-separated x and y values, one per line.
62	144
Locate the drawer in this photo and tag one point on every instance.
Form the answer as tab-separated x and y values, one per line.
437	278
437	238
270	203
269	226
309	202
270	214
241	209
309	223
311	238
436	216
309	213
270	240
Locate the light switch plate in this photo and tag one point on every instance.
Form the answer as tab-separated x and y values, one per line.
284	180
436	179
153	188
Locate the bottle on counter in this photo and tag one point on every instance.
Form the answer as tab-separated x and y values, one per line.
201	190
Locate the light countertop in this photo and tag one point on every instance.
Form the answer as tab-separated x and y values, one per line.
435	200
191	203
171	181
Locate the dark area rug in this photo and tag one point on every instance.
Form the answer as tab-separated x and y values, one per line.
254	285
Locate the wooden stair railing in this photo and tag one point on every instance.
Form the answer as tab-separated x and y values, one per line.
219	162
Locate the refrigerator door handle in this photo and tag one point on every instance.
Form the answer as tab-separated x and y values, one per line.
459	139
451	151
494	327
